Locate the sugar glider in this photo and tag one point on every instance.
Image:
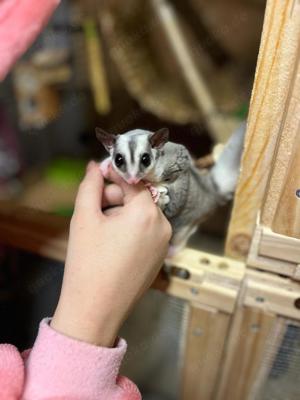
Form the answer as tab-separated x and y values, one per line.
186	194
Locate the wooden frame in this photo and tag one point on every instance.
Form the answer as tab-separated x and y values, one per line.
222	295
207	329
272	132
274	252
233	311
265	304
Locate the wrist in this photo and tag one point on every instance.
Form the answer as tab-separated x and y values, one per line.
91	326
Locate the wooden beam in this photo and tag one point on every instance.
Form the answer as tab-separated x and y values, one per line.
265	306
257	260
248	337
34	231
280	247
214	295
206	333
273	252
281	210
270	118
276	300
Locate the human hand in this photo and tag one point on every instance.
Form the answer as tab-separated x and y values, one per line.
112	257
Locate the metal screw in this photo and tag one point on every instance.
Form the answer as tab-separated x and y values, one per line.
260	299
198	332
298	193
255	328
194	291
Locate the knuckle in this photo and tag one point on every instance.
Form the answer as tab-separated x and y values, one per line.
78	218
147	215
167	229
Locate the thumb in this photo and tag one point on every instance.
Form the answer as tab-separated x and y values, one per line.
90	191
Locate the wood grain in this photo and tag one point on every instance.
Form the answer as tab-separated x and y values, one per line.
274	74
205	339
281	210
248	336
279	246
263	262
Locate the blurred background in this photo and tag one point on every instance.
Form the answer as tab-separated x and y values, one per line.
187	65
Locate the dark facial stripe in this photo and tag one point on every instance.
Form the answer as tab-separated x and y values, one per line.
132	147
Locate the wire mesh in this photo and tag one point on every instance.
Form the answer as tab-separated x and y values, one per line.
283	378
154	336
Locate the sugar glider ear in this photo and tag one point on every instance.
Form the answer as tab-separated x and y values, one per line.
159	138
107	139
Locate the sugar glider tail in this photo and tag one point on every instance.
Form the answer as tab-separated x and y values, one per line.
226	171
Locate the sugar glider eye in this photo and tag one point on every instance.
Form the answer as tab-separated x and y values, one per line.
146	159
119	160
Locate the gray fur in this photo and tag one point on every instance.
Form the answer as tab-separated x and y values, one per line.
189	195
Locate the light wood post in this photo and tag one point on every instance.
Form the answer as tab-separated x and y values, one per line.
273	122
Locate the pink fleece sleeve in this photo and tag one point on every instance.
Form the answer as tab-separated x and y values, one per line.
59	367
20	23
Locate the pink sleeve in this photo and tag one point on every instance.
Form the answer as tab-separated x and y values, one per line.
59	367
11	373
20	23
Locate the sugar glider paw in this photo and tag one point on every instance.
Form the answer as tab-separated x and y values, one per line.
104	166
159	195
172	251
153	191
164	198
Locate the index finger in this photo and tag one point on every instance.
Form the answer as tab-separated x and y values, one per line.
90	191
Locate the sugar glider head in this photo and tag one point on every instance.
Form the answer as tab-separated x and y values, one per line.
134	153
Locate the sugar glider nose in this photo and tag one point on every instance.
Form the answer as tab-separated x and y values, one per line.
133	180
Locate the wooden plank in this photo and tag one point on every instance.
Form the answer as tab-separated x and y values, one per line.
279	301
273	280
286	218
216	268
214	295
279	246
96	67
296	274
274	74
272	293
205	338
248	336
281	210
34	231
256	260
273	252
